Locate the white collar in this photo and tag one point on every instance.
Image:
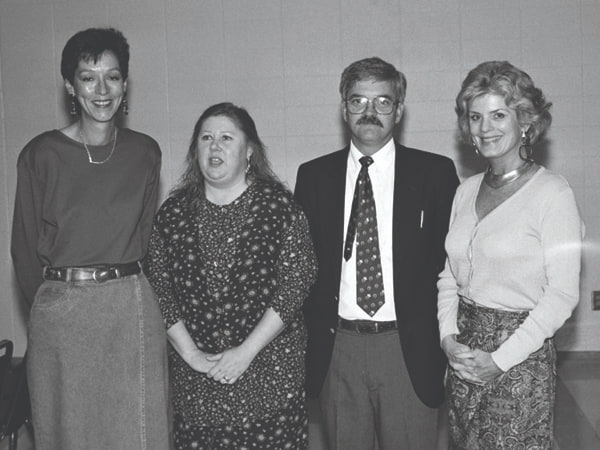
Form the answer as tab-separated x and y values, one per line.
384	157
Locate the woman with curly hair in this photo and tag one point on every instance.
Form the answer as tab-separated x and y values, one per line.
512	274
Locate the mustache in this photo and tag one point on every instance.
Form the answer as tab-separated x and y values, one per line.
369	120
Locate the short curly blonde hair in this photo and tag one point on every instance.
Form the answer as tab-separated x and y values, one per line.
517	88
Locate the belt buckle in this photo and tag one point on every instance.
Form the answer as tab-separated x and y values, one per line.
101	275
52	274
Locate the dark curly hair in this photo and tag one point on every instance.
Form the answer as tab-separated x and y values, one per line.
89	45
517	89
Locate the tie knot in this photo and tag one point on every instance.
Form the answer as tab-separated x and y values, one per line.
366	161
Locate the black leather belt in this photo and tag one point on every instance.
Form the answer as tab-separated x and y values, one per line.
366	326
97	274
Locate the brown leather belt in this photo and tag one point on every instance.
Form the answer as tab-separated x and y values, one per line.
98	274
366	326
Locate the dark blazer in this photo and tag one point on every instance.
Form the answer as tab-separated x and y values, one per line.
423	182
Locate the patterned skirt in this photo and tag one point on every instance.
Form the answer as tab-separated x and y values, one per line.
514	411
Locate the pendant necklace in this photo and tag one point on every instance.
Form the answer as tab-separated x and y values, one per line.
497	181
91	161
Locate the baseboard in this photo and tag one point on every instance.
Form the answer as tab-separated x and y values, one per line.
587	356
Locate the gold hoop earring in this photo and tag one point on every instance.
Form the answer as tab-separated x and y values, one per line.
526	149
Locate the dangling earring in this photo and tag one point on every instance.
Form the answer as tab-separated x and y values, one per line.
73	110
475	146
125	106
248	167
525	150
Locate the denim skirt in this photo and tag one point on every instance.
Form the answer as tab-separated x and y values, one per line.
97	366
516	409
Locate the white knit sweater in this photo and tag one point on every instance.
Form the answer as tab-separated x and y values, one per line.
525	255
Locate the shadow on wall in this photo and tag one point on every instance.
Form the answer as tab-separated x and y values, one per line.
468	162
20	315
541	152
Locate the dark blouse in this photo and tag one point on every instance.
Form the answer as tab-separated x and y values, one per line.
69	212
219	271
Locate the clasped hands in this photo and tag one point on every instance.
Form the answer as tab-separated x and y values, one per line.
472	365
225	367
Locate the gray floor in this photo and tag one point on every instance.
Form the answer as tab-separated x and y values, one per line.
577	424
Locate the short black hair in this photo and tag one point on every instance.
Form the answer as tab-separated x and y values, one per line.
89	45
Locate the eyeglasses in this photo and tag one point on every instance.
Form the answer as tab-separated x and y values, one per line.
358	105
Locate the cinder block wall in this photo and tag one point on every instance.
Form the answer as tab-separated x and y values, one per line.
282	60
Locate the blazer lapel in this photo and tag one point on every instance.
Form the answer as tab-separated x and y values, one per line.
335	210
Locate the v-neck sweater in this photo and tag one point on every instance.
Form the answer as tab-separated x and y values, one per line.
524	255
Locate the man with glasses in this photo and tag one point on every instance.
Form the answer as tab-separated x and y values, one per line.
378	213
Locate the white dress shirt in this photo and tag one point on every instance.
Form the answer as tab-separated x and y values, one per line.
381	173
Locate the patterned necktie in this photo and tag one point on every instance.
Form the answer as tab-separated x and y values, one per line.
363	225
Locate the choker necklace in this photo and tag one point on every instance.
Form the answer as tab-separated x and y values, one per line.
91	161
497	181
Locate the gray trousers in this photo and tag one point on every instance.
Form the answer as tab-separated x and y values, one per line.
368	401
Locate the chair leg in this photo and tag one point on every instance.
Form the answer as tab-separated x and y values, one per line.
13	440
29	426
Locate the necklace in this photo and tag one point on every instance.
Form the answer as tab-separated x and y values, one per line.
497	181
90	155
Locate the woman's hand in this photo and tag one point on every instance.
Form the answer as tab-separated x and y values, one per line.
184	345
461	358
229	365
458	354
232	363
484	366
200	361
475	366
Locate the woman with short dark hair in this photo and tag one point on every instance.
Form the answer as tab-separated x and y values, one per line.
86	195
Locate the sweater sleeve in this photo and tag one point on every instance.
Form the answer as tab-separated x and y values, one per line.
27	221
296	269
561	236
150	201
448	294
160	276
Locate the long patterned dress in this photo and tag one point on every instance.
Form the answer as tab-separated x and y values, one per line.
219	271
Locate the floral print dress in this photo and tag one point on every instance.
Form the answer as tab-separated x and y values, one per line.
219	270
